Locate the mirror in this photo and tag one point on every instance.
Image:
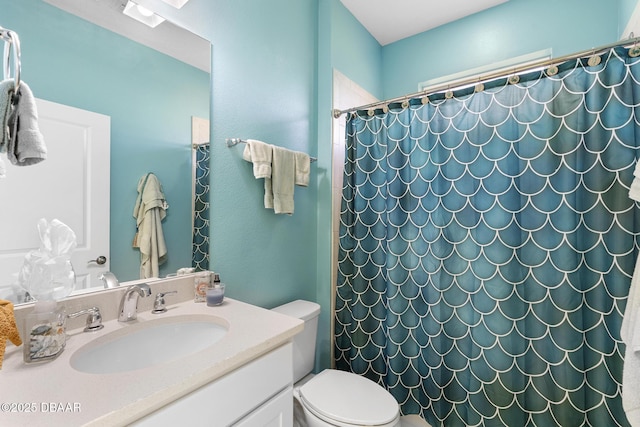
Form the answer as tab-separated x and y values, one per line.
150	97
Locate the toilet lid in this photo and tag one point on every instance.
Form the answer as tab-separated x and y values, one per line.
348	398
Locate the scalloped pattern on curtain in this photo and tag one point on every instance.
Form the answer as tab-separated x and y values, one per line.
200	248
487	245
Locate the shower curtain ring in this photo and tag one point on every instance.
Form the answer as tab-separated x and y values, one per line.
634	51
449	93
594	59
479	87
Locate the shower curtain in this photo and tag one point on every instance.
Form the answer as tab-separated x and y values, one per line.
200	247
487	244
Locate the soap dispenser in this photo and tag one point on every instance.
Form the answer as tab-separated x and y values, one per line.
45	332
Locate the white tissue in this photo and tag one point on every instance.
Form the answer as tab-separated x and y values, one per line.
47	273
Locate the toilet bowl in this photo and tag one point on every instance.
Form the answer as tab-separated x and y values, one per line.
332	398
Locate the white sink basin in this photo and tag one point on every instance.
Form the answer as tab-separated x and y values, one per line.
145	344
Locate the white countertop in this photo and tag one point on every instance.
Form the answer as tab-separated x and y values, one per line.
59	395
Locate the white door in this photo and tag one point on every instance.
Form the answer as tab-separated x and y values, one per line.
71	185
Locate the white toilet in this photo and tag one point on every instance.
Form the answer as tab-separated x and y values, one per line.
332	397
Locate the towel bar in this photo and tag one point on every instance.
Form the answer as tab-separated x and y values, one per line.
235	141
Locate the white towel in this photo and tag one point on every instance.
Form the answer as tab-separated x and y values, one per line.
630	334
149	211
283	178
260	154
281	170
634	190
636	171
303	166
26	143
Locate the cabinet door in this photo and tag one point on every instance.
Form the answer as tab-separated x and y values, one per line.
277	412
235	396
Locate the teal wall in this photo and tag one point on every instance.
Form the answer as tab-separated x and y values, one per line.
626	9
344	45
355	52
150	98
511	29
270	69
264	57
264	74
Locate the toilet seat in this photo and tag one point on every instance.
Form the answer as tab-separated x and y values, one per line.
346	399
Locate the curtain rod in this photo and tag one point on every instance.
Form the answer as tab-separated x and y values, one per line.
459	83
235	141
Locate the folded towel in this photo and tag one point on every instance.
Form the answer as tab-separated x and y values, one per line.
303	166
149	211
26	143
281	170
636	171
279	189
261	155
8	328
630	334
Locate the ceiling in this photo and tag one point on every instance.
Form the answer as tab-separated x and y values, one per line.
166	37
389	21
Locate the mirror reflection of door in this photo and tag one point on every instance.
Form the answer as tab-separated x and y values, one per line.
72	185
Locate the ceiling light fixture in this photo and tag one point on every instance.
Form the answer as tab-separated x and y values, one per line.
176	3
142	14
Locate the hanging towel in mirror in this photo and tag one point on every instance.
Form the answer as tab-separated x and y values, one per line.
6	92
149	211
26	143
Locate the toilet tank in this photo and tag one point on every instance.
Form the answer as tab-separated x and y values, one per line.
304	344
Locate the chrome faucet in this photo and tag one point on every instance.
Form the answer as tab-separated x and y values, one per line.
129	303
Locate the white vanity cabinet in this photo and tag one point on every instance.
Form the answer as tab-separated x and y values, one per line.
243	379
258	394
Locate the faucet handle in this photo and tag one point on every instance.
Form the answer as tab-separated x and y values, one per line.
94	318
159	303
